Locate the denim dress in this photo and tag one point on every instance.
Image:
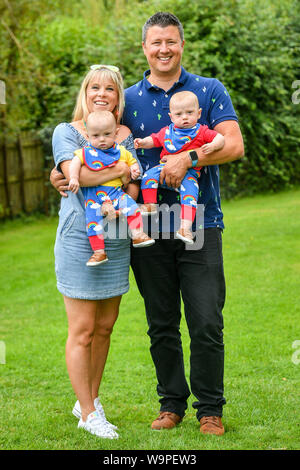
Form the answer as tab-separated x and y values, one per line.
72	248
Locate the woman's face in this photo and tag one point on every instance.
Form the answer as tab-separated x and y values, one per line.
102	94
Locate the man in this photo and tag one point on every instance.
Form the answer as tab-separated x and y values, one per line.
166	269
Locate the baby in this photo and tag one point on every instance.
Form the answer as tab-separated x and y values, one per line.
185	133
103	152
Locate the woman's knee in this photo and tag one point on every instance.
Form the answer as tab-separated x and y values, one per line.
104	330
83	337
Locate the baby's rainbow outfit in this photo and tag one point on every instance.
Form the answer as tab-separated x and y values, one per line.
174	140
94	196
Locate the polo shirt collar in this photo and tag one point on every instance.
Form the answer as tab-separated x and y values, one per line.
182	79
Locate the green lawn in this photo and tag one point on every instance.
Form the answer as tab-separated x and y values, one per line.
262	266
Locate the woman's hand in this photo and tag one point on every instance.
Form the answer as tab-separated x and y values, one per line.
59	182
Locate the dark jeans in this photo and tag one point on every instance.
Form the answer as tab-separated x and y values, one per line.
162	272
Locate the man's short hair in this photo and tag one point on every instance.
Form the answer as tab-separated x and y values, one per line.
162	19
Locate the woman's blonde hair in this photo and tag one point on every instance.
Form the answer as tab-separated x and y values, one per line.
81	110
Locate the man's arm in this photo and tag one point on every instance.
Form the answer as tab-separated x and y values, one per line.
87	177
176	166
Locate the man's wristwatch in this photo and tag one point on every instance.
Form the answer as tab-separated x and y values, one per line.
194	157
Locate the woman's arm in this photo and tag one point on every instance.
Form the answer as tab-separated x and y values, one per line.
60	181
177	166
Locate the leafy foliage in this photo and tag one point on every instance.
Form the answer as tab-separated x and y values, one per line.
251	46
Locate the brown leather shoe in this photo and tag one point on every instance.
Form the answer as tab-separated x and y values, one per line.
141	240
96	259
185	235
166	420
148	209
212	425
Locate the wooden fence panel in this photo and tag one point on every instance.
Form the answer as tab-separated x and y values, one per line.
13	179
33	171
22	180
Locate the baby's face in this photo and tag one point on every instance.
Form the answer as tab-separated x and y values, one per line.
184	113
102	135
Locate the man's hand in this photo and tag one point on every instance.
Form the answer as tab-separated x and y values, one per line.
175	169
60	183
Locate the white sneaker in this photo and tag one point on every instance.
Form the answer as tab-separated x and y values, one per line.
77	411
95	424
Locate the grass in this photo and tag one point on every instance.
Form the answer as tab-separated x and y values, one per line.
262	267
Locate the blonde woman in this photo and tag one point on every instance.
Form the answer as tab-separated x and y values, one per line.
92	296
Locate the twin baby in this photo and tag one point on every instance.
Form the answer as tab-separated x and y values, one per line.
184	133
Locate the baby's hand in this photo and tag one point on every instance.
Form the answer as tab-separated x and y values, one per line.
137	143
74	185
135	171
208	148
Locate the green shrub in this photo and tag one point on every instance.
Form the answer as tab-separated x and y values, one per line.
251	46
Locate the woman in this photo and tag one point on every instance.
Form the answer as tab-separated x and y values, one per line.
92	296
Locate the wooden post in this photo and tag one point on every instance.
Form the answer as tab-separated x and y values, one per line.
6	190
21	173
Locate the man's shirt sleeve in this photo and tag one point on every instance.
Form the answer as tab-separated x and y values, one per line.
221	108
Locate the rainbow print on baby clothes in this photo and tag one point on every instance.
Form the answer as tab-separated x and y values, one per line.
189	200
150	181
102	195
92	225
169	145
191	178
168	142
176	138
89	202
97	164
185	139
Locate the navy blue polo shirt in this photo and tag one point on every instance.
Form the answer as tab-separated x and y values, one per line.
146	111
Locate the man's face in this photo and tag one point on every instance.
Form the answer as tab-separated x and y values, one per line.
163	48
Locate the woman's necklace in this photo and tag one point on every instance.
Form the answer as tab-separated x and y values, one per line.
84	129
